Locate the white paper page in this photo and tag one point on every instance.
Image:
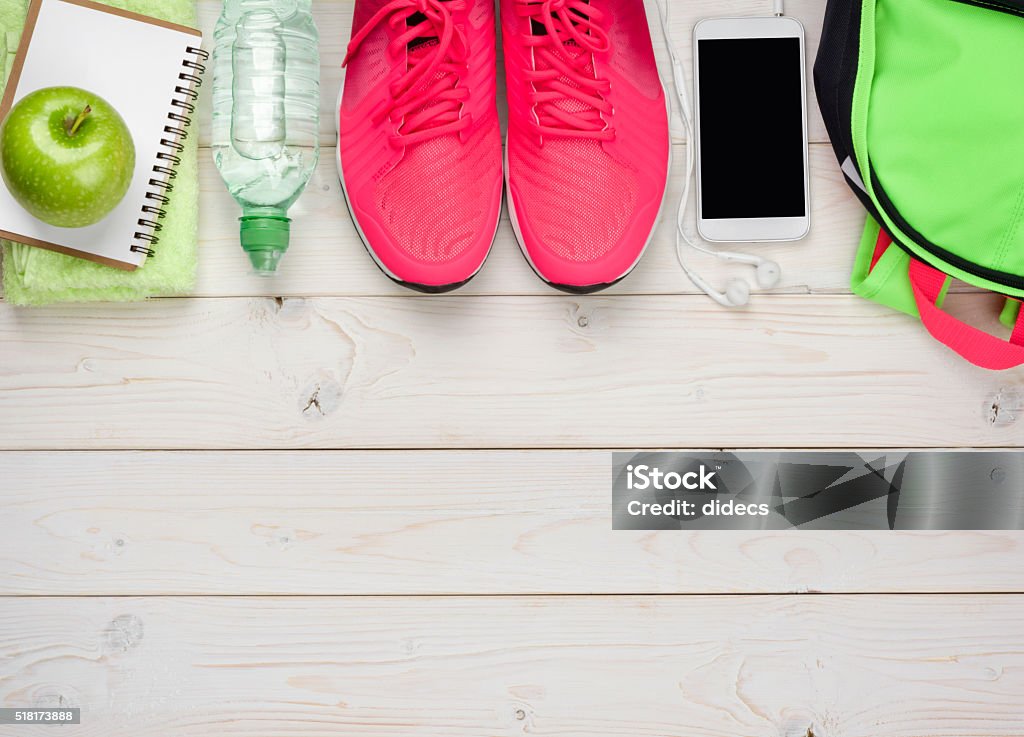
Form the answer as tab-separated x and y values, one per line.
132	65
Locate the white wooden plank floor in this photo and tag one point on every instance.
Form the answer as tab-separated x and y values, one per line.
322	505
492	372
575	667
419	523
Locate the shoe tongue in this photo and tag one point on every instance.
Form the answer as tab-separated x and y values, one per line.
571	104
414	20
574	51
538	28
418	50
420	47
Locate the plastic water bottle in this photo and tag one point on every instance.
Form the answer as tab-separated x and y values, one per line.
266	116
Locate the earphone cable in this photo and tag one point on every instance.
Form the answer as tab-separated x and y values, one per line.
682	93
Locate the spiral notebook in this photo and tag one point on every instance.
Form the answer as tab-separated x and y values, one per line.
149	70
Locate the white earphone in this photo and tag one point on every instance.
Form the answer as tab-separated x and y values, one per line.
769	273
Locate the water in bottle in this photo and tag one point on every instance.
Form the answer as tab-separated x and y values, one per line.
266	102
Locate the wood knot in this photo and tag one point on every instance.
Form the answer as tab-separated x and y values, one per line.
1003	408
123	634
320	399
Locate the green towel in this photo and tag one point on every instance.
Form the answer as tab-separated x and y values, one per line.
34	276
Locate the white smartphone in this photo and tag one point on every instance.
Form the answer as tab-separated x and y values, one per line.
753	182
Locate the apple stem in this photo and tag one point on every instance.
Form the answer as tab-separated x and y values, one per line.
77	122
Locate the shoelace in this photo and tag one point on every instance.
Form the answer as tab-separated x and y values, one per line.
560	76
427	100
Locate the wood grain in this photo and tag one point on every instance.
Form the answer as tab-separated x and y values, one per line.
902	666
419	523
497	372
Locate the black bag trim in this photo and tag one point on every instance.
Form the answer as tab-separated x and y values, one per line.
1014	281
1014	7
835	77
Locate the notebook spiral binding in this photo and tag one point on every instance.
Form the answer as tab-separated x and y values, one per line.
183	107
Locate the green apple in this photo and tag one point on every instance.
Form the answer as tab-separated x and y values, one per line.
66	156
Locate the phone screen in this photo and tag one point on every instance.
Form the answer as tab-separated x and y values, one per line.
751	128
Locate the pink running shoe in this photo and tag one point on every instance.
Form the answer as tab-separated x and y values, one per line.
419	146
588	141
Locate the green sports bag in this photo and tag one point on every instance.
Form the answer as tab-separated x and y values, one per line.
924	104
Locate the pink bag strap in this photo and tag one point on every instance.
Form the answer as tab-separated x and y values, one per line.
977	346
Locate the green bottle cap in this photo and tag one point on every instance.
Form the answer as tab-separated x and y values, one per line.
265	239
